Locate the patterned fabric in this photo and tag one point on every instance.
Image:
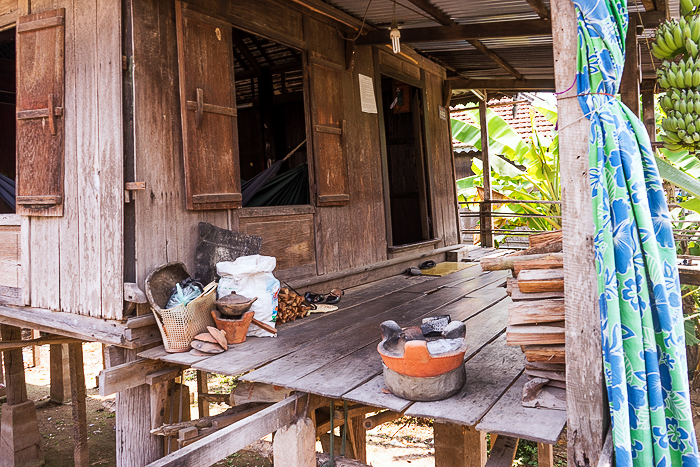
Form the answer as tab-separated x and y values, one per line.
640	303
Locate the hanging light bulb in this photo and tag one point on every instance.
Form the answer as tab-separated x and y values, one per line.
395	37
394	33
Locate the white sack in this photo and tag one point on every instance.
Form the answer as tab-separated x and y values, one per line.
251	276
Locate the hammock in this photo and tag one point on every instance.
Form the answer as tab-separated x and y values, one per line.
7	190
639	292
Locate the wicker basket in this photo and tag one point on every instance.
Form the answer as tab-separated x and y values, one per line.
180	324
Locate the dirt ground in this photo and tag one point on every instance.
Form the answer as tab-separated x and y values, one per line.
402	443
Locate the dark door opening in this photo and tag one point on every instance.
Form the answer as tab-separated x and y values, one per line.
7	122
406	169
271	118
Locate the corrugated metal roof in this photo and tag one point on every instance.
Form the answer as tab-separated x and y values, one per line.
530	56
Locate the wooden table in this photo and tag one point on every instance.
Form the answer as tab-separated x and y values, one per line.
334	355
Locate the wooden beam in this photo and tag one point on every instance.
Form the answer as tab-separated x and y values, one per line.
59	362
459	446
77	391
128	375
544	85
80	327
540	8
478	45
649	114
649	5
455	32
233	438
545	455
629	84
329	11
11	345
503	452
486	220
437	14
586	412
202	388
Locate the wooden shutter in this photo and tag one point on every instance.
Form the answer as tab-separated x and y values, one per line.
208	109
40	122
328	123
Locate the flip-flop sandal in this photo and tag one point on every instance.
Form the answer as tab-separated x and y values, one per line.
314	297
334	296
427	264
413	271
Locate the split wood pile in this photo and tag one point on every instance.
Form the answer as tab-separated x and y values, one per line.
536	316
291	306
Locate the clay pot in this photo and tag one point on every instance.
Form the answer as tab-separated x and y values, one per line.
417	361
236	329
234	305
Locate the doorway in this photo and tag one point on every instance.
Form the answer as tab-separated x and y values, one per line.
7	122
404	128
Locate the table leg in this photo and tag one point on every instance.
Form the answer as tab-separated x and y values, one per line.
545	455
459	446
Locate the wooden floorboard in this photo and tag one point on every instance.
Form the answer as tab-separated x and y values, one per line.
287	370
180	358
482	328
256	352
326	349
454	278
482	389
508	417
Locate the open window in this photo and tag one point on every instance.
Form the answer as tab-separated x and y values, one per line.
243	113
271	121
406	163
8	93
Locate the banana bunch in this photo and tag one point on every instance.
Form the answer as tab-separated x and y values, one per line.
682	75
683	101
678	37
681	130
689	7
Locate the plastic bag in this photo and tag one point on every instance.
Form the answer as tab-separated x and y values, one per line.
183	296
251	276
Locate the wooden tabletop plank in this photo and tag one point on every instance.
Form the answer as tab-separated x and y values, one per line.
503	364
508	417
257	351
293	366
481	329
180	358
375	393
454	278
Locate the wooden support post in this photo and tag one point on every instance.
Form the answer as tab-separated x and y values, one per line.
629	85
649	113
459	446
587	418
136	446
77	390
357	438
295	444
19	437
503	452
59	373
36	350
545	455
202	388
486	222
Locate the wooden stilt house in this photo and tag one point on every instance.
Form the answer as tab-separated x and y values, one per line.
127	123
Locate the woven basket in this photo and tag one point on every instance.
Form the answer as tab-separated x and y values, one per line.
180	324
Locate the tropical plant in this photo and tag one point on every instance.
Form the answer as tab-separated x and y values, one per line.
522	169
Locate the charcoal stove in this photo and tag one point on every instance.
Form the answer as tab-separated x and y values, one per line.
424	363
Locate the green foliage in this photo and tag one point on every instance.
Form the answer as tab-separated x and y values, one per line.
521	169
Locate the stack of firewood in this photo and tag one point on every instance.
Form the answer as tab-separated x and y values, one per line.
536	316
291	306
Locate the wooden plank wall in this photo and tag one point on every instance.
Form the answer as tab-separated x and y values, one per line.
74	262
344	237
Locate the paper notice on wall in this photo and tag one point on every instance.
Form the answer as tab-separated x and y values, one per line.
369	103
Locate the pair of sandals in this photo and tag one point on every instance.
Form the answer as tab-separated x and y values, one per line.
331	298
417	271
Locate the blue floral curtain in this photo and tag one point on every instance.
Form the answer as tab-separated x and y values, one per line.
640	302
